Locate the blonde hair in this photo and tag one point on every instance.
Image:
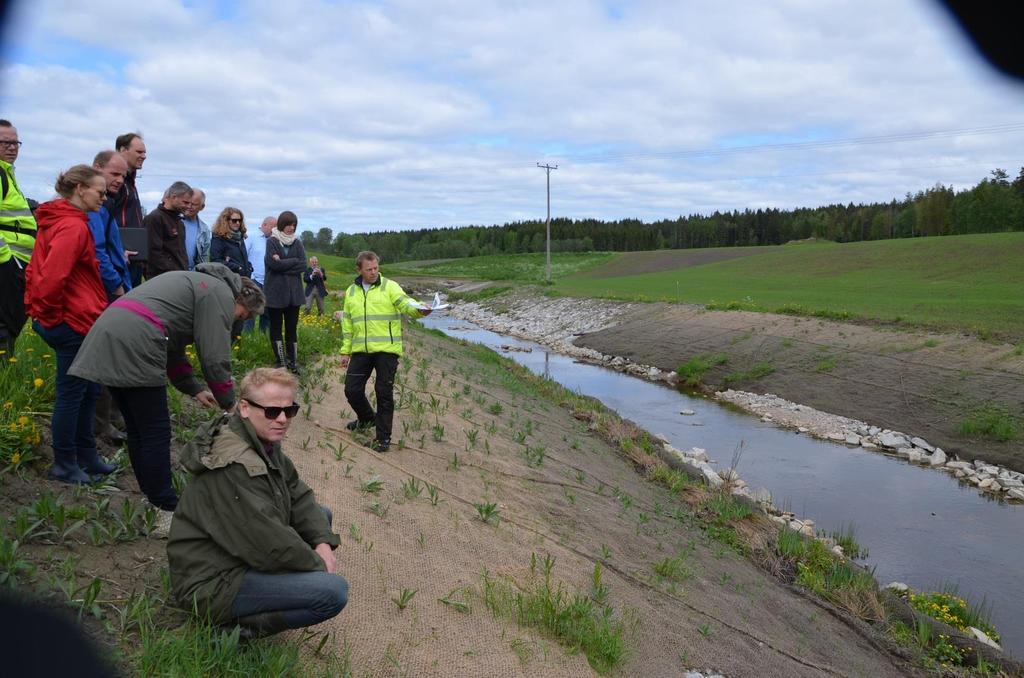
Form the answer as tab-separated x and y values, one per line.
222	227
79	175
261	376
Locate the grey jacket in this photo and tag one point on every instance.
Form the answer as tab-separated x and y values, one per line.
283	285
142	336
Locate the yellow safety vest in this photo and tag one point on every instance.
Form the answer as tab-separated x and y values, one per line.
17	225
373	318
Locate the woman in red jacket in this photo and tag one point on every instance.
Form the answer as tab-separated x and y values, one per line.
64	295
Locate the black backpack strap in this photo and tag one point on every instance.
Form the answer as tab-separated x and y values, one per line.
6	183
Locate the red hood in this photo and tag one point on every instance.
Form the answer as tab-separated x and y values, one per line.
51	213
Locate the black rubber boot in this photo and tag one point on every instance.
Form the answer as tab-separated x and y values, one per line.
293	358
92	463
279	353
67	471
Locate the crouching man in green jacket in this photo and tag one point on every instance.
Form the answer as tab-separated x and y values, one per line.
248	544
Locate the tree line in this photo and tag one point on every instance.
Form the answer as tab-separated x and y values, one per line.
995	204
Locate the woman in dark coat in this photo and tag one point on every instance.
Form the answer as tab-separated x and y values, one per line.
286	262
228	244
228	247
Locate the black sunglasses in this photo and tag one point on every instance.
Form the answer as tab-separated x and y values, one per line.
273	411
235	221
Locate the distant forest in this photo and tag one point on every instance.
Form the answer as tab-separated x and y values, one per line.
995	204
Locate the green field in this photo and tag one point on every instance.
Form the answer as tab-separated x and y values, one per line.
527	268
971	282
968	282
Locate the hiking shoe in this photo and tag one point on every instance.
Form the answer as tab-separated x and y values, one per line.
356	425
381	446
162	527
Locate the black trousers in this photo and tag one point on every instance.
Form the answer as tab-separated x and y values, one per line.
386	366
287	316
148	424
12	304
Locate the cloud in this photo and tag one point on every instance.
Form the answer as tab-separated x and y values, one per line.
364	115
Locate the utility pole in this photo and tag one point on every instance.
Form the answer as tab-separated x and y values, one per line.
547	170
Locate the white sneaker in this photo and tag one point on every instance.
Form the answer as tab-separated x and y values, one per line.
162	527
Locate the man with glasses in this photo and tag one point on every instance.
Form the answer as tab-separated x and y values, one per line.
197	233
17	238
248	544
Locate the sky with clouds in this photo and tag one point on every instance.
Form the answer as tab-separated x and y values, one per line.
412	113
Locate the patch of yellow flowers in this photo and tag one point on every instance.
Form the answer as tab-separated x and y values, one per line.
948	609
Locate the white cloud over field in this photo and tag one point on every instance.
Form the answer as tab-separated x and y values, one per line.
368	115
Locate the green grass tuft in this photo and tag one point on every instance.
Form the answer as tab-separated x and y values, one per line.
991	421
575	620
692	371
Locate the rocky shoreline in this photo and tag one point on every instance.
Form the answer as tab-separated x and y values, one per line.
556	322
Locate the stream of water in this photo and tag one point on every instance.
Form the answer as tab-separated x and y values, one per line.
921	526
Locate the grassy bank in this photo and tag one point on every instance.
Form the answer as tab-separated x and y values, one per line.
969	282
472	425
58	543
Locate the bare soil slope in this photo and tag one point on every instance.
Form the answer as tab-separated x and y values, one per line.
633	263
917	382
725	613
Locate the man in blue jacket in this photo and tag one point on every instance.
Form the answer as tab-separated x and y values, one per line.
114	272
105	229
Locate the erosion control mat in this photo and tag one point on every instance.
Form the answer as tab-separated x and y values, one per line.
563	500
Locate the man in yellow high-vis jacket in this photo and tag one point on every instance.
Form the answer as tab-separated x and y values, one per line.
372	342
17	238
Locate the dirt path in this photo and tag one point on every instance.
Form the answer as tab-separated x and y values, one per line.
723	613
917	382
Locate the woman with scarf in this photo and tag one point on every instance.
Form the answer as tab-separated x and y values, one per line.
286	262
228	247
64	295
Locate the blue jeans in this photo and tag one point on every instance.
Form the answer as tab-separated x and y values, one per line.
250	324
75	404
301	598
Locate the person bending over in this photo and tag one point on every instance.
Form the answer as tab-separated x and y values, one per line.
249	545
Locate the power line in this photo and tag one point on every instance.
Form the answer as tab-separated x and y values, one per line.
547	268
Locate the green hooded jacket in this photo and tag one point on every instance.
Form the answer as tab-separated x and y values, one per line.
243	509
140	339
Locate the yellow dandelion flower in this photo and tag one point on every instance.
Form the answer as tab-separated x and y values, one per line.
47	355
23	420
16	458
30	350
38	382
12	360
3	352
8	404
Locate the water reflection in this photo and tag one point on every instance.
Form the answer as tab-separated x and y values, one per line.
922	527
